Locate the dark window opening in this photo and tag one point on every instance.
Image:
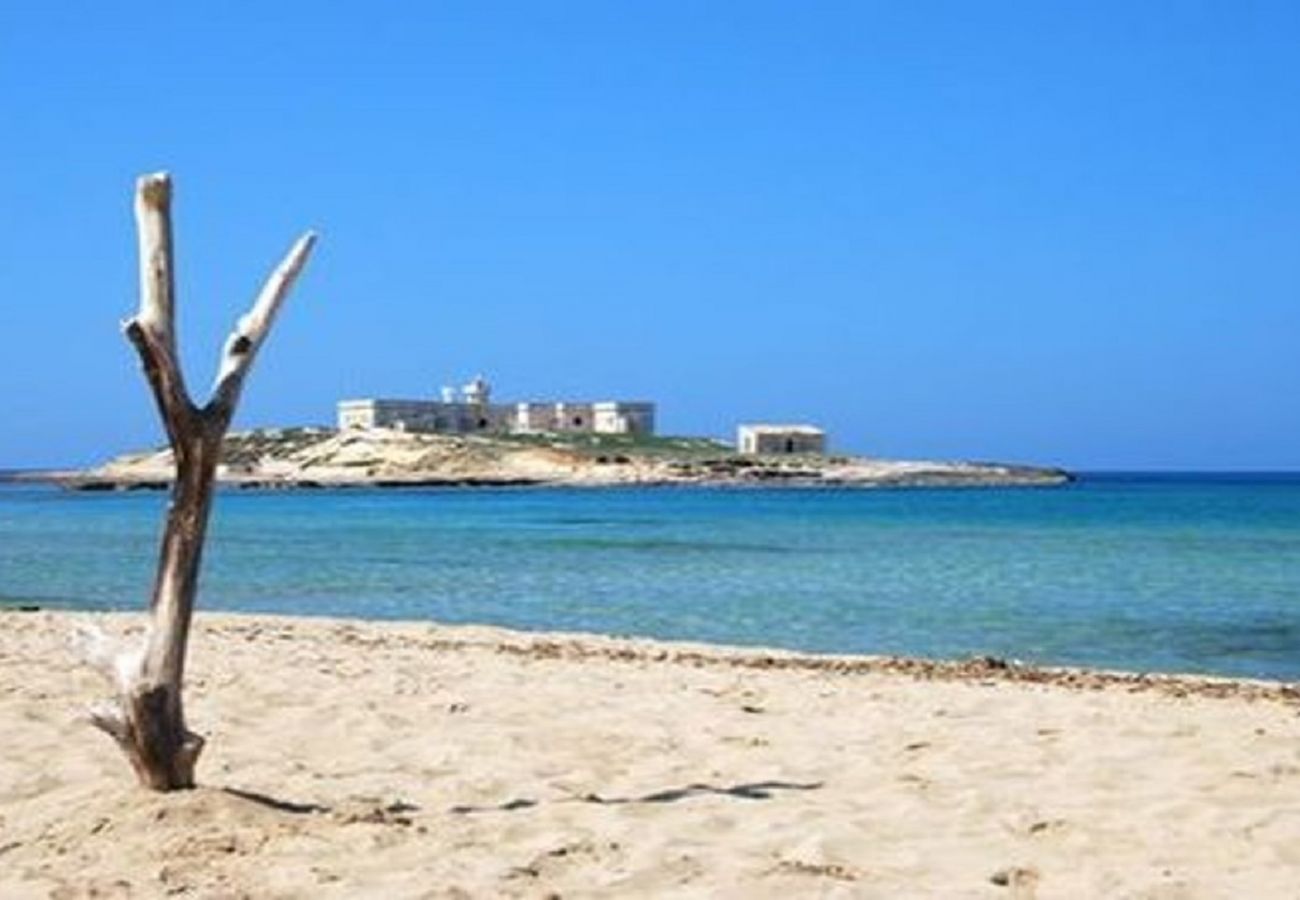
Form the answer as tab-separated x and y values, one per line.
577	421
789	445
482	423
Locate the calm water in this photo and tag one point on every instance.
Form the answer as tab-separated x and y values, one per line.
1185	573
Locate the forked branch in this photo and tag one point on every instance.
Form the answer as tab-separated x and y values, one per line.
252	328
152	331
146	718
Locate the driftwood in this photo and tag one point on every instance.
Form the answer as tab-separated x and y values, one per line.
146	717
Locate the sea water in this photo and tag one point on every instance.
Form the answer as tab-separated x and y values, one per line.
1182	573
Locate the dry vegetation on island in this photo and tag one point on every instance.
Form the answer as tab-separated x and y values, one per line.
323	457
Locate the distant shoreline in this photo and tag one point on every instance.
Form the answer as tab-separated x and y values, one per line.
92	485
306	459
60	476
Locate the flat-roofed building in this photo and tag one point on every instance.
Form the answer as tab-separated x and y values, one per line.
530	417
470	409
769	439
615	417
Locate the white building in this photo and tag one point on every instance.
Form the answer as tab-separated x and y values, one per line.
780	439
470	410
623	417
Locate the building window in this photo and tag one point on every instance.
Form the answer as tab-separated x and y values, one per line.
577	421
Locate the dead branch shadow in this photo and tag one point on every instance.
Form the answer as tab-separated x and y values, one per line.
285	806
757	790
372	810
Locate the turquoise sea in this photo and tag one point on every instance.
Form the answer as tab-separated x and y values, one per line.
1183	573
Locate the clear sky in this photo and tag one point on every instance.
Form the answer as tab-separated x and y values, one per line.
1058	232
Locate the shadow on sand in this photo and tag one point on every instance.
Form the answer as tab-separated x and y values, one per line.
285	806
758	790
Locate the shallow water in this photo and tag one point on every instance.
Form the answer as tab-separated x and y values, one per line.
1172	573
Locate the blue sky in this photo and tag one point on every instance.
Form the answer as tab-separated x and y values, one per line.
1048	232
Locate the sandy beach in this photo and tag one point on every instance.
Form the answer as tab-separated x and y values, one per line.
350	759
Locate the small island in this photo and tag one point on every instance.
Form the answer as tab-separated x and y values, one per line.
384	457
464	439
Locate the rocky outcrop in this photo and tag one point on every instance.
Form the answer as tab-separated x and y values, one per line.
318	457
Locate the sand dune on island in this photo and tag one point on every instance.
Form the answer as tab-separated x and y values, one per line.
354	759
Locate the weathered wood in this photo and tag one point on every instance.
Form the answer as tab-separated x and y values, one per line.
243	343
147	716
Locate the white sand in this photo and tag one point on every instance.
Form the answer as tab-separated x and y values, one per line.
411	761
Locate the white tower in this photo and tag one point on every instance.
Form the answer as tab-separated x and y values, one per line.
477	392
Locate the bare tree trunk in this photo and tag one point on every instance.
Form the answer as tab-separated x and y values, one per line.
147	716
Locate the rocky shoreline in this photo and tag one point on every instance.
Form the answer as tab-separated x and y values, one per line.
324	458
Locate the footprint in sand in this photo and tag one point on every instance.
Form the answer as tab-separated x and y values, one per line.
1023	881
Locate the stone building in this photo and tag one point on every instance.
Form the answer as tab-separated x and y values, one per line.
471	410
780	439
623	417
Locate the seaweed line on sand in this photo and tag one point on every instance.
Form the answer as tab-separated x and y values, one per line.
976	669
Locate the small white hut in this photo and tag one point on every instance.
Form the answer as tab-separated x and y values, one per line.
768	439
